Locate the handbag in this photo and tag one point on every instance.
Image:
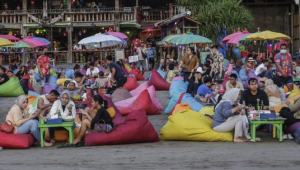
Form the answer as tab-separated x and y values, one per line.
101	126
7	128
144	55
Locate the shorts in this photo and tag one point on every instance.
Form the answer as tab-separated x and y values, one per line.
286	80
141	63
45	80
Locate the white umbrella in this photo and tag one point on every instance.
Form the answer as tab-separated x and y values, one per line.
100	41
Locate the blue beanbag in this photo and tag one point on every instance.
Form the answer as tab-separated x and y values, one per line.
53	80
149	76
37	76
178	84
131	75
187	98
226	64
175	97
69	73
162	74
33	93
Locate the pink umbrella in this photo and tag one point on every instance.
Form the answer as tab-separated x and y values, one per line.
236	39
228	37
10	38
36	42
117	34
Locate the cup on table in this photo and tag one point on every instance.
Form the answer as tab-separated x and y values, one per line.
42	121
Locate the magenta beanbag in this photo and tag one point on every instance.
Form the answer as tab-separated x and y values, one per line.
293	128
158	82
118	119
15	141
135	129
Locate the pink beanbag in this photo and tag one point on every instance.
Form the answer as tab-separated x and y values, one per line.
137	74
139	89
135	129
125	104
142	102
177	78
16	141
118	119
131	84
158	82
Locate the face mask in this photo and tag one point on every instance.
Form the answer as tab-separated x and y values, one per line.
283	51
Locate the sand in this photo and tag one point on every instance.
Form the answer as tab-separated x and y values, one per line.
268	154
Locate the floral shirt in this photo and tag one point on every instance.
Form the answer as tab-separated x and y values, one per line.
45	64
285	61
217	59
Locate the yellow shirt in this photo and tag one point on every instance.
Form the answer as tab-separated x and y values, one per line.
230	86
62	81
171	75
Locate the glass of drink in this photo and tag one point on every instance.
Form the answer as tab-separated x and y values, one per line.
272	109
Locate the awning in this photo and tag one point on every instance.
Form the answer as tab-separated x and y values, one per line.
132	24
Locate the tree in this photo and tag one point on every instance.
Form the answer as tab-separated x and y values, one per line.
218	14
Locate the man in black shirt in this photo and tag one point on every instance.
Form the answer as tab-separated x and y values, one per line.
13	66
253	95
3	76
117	74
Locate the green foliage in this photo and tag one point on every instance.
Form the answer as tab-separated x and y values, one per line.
215	14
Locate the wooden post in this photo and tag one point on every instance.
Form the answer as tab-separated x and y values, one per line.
292	50
69	5
117	16
137	3
70	30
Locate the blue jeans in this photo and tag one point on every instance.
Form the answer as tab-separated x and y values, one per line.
52	130
31	126
45	80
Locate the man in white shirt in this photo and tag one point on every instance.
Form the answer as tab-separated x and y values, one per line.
93	71
141	64
262	71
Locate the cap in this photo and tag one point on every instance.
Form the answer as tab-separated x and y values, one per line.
199	70
264	79
250	59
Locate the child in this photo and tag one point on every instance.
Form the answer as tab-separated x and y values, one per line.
214	90
171	73
101	80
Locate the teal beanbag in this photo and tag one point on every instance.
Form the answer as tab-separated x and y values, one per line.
178	84
175	97
187	98
12	88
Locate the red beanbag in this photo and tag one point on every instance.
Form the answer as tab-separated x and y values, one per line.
118	119
15	141
137	74
135	129
131	84
158	82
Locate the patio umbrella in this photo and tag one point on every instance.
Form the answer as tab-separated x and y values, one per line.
189	38
268	35
236	38
10	38
169	37
36	42
117	34
23	44
228	37
5	42
123	41
42	39
100	41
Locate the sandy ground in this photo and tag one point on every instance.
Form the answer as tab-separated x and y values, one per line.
268	154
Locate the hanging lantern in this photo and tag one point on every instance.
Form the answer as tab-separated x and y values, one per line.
65	33
255	42
79	33
84	31
32	2
73	1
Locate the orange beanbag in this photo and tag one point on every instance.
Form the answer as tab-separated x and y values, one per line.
278	108
181	107
131	84
137	74
158	82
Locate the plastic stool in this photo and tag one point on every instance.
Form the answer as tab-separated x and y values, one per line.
52	62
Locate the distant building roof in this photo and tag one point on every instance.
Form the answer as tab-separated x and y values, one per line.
175	17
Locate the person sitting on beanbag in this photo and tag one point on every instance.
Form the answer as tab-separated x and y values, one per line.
101	80
171	73
24	123
228	117
89	118
204	95
195	82
61	82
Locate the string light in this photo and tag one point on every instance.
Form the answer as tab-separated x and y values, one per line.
32	2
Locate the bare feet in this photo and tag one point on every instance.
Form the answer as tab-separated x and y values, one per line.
48	144
238	139
75	141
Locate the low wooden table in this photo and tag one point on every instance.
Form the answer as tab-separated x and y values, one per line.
277	123
66	125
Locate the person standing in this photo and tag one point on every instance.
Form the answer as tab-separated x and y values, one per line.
142	54
43	63
284	71
189	63
117	73
151	57
218	69
136	43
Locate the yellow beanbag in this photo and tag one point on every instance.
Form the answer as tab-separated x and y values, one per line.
192	126
110	110
62	81
278	108
207	110
294	91
181	107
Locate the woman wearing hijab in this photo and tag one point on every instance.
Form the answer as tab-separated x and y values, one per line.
273	93
224	110
277	82
66	108
24	124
